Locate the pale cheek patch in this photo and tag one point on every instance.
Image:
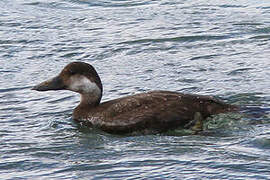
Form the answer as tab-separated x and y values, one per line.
83	85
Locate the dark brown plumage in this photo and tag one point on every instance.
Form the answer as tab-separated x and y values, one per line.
152	112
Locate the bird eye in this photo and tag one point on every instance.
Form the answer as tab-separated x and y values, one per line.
72	72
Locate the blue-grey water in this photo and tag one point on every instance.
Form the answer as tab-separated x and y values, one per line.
212	47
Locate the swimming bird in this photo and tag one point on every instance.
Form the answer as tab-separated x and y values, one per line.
148	113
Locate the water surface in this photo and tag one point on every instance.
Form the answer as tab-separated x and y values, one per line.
216	48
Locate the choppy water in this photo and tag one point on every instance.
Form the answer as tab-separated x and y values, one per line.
206	47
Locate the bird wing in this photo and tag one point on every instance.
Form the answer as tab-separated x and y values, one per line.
156	110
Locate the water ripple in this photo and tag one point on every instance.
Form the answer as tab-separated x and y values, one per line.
177	39
114	3
239	71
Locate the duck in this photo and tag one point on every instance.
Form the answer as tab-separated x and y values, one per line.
150	112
